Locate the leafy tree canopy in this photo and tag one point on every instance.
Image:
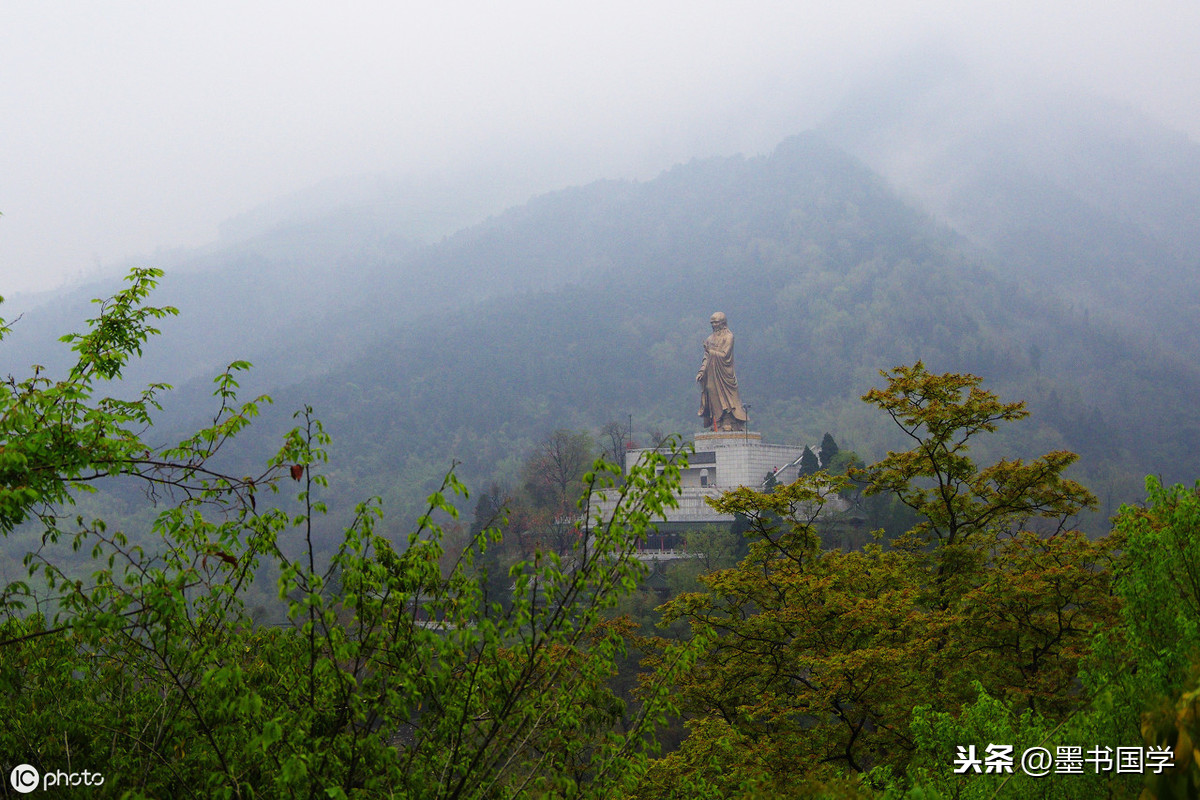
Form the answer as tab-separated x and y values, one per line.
819	657
956	500
392	675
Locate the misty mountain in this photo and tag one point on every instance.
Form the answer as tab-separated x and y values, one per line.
237	299
1084	197
589	305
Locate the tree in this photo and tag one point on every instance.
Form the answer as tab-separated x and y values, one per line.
58	438
1141	679
810	655
1160	581
819	658
553	481
963	508
554	475
1147	668
958	501
989	569
491	512
404	682
828	451
617	442
808	462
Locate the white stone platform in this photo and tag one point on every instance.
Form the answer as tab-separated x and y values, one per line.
722	461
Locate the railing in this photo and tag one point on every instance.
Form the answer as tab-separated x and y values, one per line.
665	554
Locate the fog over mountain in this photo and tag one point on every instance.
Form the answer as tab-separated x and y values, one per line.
1083	196
134	129
586	306
476	246
1045	242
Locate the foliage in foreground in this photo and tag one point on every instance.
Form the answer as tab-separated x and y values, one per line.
819	663
1140	678
405	670
405	681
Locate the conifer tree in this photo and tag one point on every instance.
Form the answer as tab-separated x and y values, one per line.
828	450
808	462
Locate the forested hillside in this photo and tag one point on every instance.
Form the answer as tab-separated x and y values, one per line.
237	298
519	657
284	631
827	278
1071	195
587	306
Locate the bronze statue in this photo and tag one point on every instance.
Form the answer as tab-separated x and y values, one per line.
720	406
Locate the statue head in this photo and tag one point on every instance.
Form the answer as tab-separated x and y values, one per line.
717	320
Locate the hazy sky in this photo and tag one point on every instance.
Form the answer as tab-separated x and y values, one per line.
132	126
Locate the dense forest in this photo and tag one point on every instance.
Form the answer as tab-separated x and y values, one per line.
391	578
985	647
827	278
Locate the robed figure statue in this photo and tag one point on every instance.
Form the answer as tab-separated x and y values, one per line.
720	407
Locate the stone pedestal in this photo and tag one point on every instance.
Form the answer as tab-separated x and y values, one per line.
725	460
736	458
